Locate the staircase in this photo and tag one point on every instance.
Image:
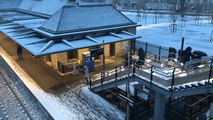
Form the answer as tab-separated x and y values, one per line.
195	84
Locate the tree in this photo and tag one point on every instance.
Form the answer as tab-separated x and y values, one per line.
182	8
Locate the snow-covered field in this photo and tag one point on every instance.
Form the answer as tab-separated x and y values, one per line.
81	104
198	37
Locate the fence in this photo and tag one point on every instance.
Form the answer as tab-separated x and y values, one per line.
63	68
191	110
152	49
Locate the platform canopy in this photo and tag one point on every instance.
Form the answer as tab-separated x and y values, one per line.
22	27
43	46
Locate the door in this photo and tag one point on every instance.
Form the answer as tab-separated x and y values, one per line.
112	49
48	58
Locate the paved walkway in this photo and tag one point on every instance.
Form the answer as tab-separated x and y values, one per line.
45	76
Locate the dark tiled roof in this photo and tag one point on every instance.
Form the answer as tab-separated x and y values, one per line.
85	17
9	4
48	7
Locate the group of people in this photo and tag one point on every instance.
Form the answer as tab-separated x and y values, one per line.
186	55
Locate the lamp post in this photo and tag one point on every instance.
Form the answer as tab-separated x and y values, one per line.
103	75
182	43
127	48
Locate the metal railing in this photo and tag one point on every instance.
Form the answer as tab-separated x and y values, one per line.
152	49
191	110
63	68
117	96
173	73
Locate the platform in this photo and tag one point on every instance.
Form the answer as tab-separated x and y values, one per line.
44	75
195	77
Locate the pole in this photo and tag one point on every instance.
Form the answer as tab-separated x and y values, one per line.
159	106
182	43
103	65
127	88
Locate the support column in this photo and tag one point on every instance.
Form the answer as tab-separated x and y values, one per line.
211	111
59	57
159	108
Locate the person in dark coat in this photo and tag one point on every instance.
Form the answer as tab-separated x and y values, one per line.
19	52
187	54
141	55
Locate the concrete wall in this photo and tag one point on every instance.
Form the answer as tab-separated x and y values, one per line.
107	51
59	57
118	49
80	51
62	57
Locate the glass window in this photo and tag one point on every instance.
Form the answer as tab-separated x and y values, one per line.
72	54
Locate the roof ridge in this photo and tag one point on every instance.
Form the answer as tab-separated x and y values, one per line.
122	13
96	5
88	5
58	25
68	18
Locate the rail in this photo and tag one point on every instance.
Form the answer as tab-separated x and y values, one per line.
26	89
16	96
191	110
63	68
174	75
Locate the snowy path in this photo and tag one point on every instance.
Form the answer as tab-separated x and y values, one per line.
72	99
72	104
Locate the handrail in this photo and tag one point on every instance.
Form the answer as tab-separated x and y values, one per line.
197	101
172	72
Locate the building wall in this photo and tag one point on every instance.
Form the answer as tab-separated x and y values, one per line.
63	58
81	51
107	51
59	57
118	49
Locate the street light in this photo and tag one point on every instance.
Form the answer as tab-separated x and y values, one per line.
127	48
182	42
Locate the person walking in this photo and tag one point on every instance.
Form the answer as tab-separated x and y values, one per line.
86	73
19	52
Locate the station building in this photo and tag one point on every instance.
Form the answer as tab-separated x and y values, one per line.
59	33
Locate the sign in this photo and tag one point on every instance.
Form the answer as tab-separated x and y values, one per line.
97	52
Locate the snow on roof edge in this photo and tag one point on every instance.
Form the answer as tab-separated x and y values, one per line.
51	35
56	30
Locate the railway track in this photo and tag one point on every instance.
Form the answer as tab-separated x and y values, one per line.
17	98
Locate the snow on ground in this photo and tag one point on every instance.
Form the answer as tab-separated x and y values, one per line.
80	103
75	104
198	37
90	105
49	101
102	106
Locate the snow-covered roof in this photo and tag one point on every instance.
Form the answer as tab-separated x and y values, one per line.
38	45
43	46
85	17
9	4
48	7
14	17
43	7
20	26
